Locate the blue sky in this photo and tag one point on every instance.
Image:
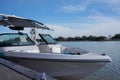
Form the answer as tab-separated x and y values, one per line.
68	17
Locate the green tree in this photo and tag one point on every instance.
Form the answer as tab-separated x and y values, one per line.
101	38
77	38
60	38
84	38
116	37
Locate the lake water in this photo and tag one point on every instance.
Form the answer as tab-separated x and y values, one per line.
112	48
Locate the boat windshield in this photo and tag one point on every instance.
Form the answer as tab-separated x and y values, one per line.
47	39
15	39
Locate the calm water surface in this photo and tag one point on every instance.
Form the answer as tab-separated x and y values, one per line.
112	48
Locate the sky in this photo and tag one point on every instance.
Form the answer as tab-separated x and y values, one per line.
68	17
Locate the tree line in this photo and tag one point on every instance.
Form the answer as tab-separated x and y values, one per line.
89	38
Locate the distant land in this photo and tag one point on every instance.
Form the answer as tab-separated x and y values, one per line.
116	37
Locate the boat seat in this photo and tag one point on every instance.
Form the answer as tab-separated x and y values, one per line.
44	48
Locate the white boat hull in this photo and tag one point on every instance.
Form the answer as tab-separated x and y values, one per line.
60	69
63	70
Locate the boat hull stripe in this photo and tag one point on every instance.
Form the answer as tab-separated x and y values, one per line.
59	60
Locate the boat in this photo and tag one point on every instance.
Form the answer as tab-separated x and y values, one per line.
61	62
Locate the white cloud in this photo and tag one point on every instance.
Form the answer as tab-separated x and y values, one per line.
113	5
111	2
74	8
103	26
82	6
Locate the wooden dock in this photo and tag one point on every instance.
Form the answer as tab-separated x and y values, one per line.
12	71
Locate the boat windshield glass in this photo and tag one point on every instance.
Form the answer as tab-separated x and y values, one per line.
14	39
47	39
